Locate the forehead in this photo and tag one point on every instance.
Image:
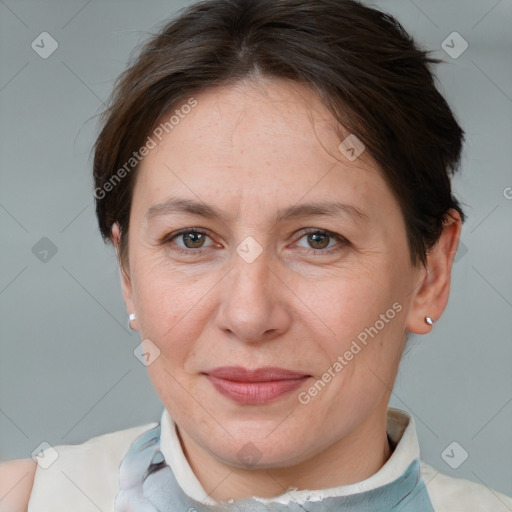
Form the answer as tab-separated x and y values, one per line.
267	144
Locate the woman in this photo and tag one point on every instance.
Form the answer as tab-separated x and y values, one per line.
275	179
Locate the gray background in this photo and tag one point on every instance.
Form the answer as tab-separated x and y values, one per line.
67	369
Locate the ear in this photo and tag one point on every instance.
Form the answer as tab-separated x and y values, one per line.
432	290
126	283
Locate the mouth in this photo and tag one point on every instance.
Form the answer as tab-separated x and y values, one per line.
256	386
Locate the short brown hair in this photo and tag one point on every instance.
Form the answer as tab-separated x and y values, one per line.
365	67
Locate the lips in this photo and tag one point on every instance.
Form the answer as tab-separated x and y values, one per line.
240	374
255	386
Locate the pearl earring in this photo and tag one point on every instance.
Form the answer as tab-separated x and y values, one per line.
429	320
131	317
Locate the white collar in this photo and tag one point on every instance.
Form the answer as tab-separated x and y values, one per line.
400	427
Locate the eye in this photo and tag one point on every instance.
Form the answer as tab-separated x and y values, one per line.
193	240
319	240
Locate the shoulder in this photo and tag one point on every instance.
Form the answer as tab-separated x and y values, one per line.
16	479
449	494
82	477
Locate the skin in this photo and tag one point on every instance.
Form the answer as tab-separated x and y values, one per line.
250	149
16	481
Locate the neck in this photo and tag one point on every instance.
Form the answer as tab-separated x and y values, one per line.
351	459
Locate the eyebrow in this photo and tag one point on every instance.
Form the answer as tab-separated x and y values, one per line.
191	207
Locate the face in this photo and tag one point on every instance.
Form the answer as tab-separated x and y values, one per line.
269	282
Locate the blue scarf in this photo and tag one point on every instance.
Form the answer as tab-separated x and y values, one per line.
147	484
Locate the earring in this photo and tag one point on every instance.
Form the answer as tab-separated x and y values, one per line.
131	317
429	320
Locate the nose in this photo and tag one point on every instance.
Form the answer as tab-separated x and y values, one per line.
254	301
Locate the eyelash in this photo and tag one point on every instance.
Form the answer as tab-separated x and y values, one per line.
343	242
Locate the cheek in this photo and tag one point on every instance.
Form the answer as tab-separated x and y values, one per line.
360	317
346	301
173	306
172	312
